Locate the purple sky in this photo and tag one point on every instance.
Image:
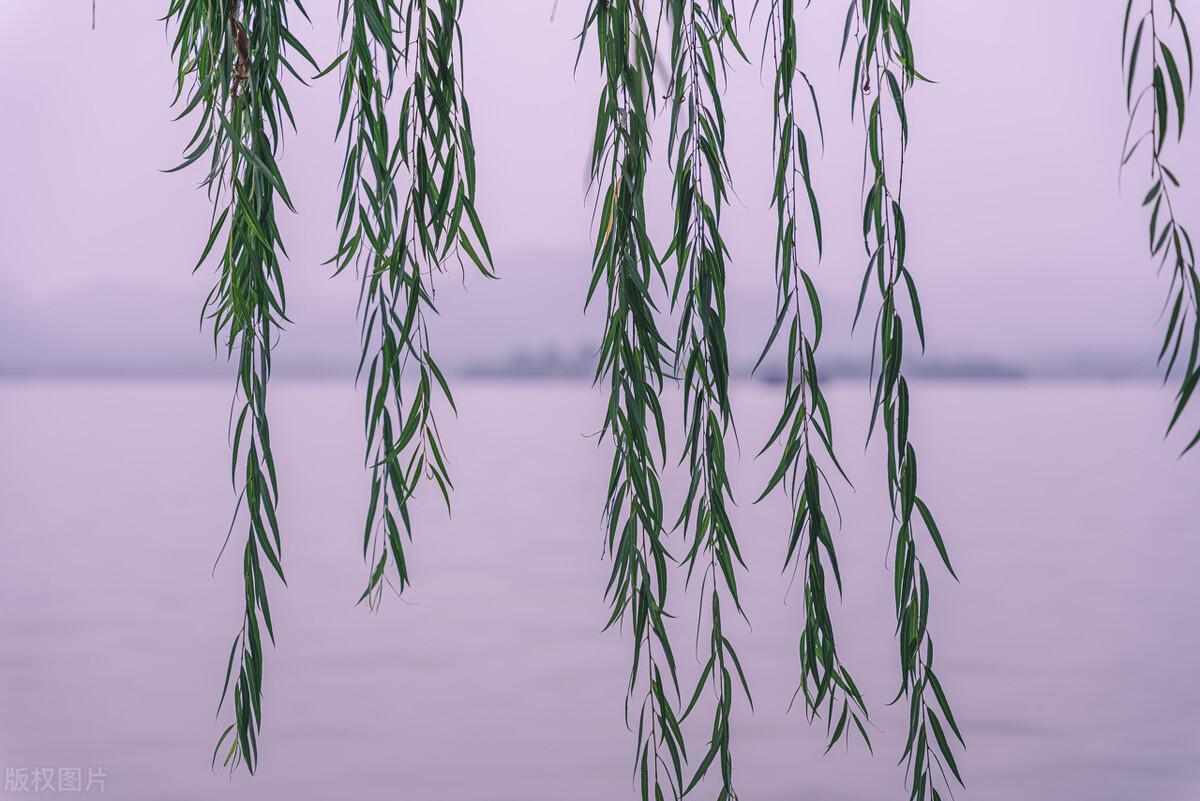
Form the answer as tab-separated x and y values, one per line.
1022	246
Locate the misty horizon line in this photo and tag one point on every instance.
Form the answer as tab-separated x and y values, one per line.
552	362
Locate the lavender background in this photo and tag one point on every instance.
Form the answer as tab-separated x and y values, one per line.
1070	646
1025	249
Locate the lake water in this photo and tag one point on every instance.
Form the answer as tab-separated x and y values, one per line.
1071	648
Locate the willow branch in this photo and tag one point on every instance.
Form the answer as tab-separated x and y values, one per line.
884	66
231	59
702	32
407	212
804	432
1147	44
632	363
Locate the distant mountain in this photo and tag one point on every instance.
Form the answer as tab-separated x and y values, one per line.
515	327
548	362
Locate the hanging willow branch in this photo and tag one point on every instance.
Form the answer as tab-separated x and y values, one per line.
1161	98
825	683
399	230
632	361
884	63
231	57
701	30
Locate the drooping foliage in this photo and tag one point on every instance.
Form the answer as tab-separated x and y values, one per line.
232	57
884	72
633	360
804	432
1156	55
703	36
407	212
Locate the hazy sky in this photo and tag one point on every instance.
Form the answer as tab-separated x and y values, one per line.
1020	241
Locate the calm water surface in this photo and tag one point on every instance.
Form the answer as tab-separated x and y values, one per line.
1071	647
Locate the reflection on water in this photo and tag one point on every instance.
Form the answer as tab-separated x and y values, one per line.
1071	648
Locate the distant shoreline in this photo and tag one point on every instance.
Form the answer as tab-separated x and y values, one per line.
497	376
